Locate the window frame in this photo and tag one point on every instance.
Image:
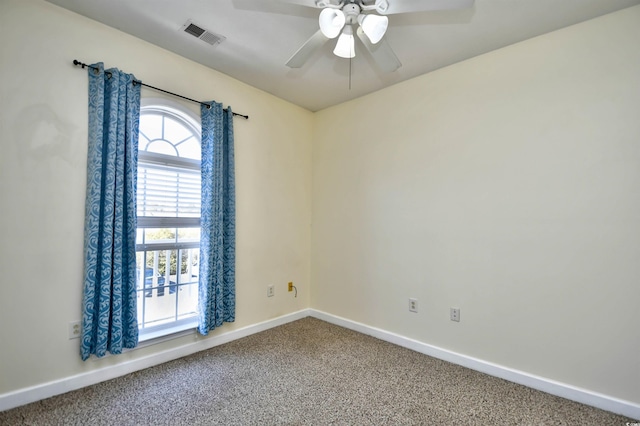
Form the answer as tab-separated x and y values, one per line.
190	120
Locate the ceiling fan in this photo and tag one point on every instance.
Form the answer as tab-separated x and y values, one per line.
339	16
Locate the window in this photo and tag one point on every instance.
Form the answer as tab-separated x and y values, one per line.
168	204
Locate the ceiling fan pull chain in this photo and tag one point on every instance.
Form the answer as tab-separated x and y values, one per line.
350	59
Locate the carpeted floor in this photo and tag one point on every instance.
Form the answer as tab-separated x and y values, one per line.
307	372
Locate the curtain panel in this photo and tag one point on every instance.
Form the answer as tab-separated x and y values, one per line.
109	318
216	287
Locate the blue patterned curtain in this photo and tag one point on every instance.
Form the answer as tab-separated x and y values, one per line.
217	294
109	319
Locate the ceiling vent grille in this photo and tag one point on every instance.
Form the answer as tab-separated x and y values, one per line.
205	35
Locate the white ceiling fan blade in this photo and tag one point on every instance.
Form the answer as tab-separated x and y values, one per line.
381	52
408	6
306	50
312	3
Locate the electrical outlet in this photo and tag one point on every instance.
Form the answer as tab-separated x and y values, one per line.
270	291
290	285
75	329
413	305
455	314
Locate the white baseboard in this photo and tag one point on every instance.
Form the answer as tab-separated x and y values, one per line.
563	390
67	384
46	390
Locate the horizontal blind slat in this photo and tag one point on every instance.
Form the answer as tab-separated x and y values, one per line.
168	191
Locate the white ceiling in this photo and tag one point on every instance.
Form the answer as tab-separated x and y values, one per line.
261	35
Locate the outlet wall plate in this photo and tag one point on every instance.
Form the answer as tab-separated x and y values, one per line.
413	305
454	313
75	329
270	291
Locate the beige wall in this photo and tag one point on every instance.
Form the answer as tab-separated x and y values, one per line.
43	137
508	186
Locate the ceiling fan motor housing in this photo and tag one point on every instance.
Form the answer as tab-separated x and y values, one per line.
351	12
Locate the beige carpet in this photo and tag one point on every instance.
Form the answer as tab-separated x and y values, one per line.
307	372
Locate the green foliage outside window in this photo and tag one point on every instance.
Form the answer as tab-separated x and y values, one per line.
168	234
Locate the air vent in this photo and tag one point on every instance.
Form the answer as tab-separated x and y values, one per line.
205	35
194	30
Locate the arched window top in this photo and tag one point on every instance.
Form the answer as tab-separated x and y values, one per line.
169	129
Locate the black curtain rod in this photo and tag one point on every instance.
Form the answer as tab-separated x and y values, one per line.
83	65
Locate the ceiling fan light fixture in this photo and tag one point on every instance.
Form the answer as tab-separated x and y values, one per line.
345	47
374	26
331	22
